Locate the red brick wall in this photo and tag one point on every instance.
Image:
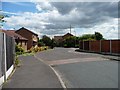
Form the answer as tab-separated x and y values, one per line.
95	46
105	45
115	44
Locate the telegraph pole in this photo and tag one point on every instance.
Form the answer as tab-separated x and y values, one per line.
70	28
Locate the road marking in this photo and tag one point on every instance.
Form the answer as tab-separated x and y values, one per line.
74	60
56	73
59	77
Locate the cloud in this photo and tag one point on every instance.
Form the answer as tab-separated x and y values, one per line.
55	18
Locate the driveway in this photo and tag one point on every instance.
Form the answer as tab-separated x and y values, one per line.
82	70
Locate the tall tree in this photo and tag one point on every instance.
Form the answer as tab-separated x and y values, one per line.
98	36
46	40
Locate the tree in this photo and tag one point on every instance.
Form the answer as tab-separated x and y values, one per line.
87	37
40	43
46	40
70	41
1	20
98	36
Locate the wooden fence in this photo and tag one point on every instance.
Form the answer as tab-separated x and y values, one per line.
101	46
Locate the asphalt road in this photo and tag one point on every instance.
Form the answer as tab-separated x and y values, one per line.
82	70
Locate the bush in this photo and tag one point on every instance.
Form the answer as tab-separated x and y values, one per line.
19	50
17	62
37	49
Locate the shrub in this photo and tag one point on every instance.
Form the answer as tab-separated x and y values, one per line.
19	50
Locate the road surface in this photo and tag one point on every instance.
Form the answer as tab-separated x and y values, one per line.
82	70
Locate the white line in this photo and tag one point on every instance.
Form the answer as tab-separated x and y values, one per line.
58	76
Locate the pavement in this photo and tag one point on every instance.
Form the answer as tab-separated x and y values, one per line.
33	74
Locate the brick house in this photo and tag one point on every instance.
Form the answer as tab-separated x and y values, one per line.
62	38
67	36
19	40
30	36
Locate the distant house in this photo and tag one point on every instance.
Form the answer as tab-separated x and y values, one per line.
31	36
58	39
18	38
67	35
62	38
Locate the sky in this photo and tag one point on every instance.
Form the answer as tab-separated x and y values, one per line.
55	18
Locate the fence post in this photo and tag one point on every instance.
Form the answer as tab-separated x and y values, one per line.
89	46
5	66
110	47
100	46
83	45
79	45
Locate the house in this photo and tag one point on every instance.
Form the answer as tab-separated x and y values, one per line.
23	37
59	39
19	40
30	36
67	36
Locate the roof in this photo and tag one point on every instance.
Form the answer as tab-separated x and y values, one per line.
27	30
68	34
57	36
13	34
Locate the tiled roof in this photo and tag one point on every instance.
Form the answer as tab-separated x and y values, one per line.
13	34
68	34
27	30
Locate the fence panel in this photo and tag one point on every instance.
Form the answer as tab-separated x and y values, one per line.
9	51
1	54
95	46
115	44
105	46
86	45
81	45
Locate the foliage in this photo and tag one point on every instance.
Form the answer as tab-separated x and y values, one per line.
98	36
46	40
17	62
19	50
37	49
53	43
87	37
40	43
70	42
2	19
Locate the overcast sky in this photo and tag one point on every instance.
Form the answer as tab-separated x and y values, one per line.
55	18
